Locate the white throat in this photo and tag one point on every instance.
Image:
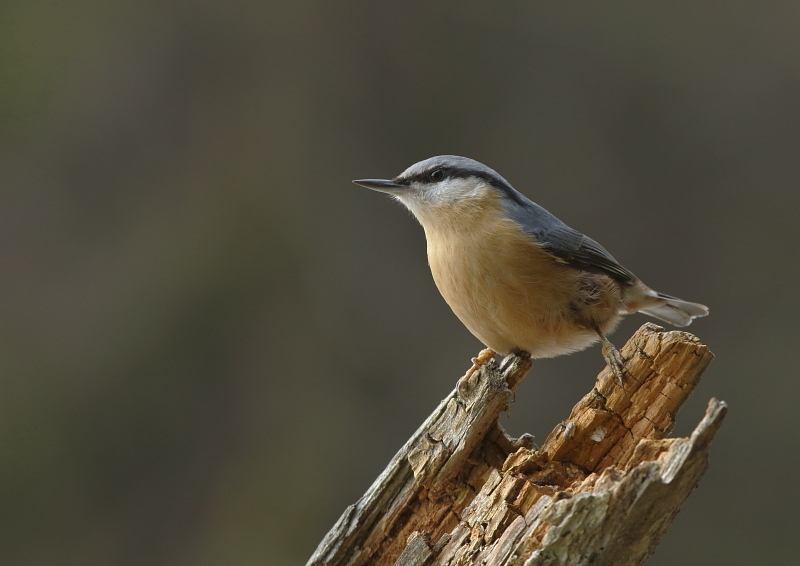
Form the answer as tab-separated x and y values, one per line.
429	202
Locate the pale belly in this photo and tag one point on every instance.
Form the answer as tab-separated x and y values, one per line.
516	296
537	325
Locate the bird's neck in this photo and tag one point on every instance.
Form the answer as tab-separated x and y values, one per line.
461	216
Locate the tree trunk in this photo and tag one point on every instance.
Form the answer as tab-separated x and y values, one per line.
602	489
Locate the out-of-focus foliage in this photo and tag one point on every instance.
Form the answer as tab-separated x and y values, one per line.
211	341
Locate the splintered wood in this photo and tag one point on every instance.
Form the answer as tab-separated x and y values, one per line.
602	489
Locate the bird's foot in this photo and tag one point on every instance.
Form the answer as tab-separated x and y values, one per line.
482	358
614	360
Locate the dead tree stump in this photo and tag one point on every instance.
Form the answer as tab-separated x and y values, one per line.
601	490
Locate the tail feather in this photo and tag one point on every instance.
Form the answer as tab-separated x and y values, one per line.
676	311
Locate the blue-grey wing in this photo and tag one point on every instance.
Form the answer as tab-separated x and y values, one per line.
566	244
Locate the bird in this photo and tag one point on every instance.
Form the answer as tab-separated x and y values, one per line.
517	277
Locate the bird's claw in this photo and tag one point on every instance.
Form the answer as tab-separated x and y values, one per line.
615	362
618	369
484	356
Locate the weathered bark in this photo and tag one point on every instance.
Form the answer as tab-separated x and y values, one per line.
602	489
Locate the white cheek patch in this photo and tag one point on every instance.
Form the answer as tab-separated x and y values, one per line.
428	201
452	190
444	193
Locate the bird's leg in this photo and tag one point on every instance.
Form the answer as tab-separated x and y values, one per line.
613	358
482	358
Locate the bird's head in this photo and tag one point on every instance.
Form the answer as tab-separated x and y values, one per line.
440	187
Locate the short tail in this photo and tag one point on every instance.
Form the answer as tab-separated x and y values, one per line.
675	311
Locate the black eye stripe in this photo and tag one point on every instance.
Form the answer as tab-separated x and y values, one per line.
459	173
431	175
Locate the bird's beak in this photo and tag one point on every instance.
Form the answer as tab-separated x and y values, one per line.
381	185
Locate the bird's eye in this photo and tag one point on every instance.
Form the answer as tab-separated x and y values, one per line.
437	175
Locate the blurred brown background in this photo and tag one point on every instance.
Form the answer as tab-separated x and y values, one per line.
212	342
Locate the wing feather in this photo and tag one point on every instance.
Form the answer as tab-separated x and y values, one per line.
566	244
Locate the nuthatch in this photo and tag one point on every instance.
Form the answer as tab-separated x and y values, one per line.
514	274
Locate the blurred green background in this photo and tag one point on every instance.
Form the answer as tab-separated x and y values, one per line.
212	342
